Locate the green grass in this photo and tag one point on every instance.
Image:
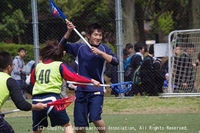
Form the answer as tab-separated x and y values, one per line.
133	115
130	123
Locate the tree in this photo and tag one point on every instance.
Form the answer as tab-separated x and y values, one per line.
128	17
13	26
13	22
195	14
139	17
85	14
80	12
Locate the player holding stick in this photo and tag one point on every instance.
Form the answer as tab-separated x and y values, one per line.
47	78
92	61
9	87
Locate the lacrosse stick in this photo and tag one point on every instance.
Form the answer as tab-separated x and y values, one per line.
80	36
122	87
61	104
10	111
57	12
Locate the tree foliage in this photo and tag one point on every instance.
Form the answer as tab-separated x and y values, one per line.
165	22
165	15
13	25
13	22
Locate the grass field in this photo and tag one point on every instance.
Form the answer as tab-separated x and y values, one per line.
133	115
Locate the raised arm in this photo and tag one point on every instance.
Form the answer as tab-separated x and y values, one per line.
70	27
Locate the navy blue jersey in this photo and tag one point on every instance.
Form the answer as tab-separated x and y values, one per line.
89	64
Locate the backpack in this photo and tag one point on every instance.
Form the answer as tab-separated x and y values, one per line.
129	70
137	76
28	67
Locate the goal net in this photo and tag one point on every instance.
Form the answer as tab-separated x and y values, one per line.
183	64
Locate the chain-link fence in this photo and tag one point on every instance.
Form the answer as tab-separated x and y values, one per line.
146	21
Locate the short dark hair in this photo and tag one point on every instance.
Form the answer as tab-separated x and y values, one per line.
145	48
20	49
95	26
189	45
125	52
176	45
128	46
138	46
5	60
151	49
53	50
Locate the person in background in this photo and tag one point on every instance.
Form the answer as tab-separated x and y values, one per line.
127	54
47	78
147	74
84	36
125	61
17	73
64	86
159	77
184	77
9	87
197	79
111	72
91	63
129	48
174	59
136	61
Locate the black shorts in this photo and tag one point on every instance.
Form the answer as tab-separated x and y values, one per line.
87	104
57	118
4	126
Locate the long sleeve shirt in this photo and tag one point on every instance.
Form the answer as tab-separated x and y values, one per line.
18	63
66	74
16	95
89	64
